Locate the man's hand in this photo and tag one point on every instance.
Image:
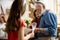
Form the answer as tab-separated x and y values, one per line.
39	30
36	30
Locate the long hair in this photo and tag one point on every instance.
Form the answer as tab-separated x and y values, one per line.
15	12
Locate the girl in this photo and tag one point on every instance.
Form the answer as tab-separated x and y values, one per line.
15	25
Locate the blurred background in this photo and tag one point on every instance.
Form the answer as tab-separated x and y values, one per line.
52	5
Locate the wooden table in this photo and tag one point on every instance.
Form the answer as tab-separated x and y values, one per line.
58	31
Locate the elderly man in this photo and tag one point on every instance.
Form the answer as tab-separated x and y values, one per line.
46	29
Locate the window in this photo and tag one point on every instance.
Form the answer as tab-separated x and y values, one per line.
58	7
58	11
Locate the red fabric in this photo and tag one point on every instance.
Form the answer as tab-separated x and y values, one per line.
22	22
37	21
14	35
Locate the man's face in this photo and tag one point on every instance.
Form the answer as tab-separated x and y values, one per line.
37	13
39	9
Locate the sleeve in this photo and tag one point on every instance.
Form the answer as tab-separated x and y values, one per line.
21	23
51	23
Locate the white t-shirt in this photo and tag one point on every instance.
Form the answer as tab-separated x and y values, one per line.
2	27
